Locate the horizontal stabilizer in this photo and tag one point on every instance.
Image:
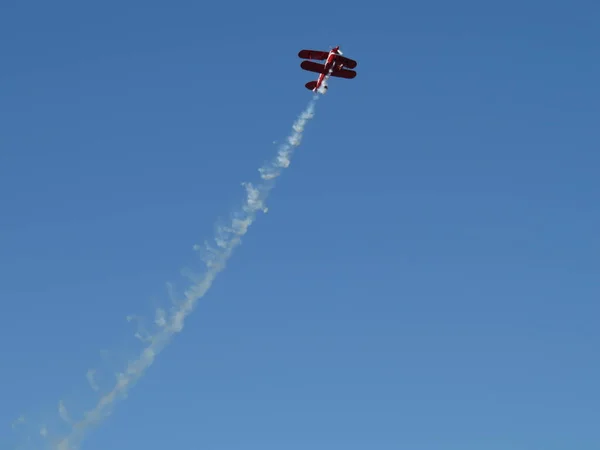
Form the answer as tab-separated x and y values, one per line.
311	85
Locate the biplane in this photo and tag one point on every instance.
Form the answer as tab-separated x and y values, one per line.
335	66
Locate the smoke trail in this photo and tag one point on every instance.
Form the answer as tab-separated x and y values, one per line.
167	324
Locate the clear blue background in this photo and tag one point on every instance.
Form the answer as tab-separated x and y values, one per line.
426	277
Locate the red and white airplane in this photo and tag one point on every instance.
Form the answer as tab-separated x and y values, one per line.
334	66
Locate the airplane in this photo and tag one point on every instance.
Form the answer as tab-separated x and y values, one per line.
334	66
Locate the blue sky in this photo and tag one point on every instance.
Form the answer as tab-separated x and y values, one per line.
426	276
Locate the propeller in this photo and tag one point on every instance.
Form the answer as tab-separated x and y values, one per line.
339	51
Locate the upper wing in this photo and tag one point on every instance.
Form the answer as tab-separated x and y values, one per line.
313	54
347	62
312	66
344	73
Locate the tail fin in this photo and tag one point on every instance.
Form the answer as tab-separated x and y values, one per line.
311	85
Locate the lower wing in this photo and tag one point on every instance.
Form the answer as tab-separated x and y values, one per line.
313	67
344	73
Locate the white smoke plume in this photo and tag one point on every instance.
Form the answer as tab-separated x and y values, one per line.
168	323
90	378
20	420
